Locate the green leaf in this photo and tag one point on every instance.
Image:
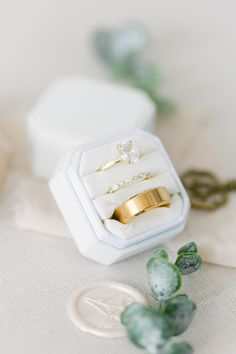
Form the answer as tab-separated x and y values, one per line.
164	277
179	311
164	106
188	263
102	40
114	46
120	70
123	51
160	252
189	247
146	328
177	348
143	74
131	311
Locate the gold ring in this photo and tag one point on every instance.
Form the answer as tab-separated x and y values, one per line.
141	203
143	176
128	154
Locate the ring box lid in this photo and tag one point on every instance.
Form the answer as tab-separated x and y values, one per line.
74	111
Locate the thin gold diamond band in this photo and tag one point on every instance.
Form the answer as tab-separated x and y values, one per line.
140	177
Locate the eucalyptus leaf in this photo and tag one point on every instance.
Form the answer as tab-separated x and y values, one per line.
146	328
102	41
142	73
179	311
137	71
188	263
164	277
160	252
131	311
189	247
177	348
123	50
129	39
115	46
153	329
120	70
163	105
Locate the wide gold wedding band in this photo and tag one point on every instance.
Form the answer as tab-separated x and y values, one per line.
141	203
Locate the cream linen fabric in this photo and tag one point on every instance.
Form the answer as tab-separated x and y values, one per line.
35	208
39	273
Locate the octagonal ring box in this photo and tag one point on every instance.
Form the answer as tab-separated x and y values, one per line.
81	194
76	111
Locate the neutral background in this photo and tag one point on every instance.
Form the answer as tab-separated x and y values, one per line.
194	44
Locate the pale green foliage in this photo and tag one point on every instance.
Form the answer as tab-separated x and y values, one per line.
146	328
164	277
177	348
179	311
123	50
160	252
153	329
188	263
189	247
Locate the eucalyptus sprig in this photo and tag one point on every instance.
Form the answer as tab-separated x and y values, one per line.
153	329
123	51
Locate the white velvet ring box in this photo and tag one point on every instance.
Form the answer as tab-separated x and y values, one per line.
81	194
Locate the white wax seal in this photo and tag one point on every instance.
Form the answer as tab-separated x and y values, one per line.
96	307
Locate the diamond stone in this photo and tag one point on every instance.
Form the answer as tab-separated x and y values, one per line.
127	152
113	188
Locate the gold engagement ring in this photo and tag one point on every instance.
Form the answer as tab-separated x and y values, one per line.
128	154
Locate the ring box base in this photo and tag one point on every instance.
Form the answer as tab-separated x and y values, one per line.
80	193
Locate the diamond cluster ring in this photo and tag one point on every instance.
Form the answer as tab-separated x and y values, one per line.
140	177
128	154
